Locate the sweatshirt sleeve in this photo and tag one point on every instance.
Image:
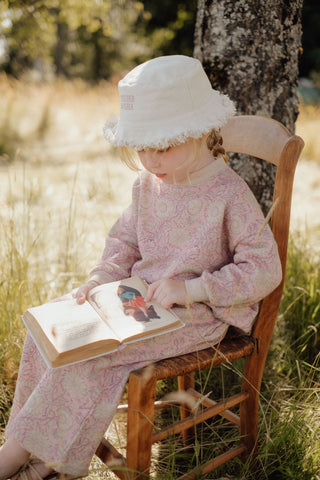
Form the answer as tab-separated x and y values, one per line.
121	247
254	269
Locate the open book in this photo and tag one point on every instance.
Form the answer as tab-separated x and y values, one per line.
115	313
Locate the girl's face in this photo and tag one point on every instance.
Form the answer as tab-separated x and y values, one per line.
174	164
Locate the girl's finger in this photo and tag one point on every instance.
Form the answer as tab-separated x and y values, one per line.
151	289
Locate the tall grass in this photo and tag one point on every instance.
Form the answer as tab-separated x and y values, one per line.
60	191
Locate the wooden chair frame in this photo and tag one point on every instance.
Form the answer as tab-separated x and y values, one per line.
269	140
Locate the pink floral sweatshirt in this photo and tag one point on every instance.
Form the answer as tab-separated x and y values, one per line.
208	231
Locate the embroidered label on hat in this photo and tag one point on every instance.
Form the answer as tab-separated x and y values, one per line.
126	102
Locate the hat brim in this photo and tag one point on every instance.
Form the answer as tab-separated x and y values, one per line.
170	132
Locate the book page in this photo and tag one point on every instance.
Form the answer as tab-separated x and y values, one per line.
69	325
126	312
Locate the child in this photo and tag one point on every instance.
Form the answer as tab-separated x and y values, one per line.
194	232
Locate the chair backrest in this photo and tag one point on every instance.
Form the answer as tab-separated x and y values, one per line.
258	136
268	140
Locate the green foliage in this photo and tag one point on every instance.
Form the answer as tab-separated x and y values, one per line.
96	39
92	39
310	59
168	26
75	38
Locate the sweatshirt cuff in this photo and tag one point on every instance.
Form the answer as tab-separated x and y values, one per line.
196	290
101	277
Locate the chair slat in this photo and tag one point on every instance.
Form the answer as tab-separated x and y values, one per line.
208	402
202	416
260	137
214	463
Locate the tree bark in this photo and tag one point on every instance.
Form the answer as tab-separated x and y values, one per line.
60	47
250	50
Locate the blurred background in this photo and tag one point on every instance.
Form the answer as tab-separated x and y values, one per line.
99	39
92	40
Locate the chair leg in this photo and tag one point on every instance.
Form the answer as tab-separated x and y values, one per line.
141	397
185	382
250	408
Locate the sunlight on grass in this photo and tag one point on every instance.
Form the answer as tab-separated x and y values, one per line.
61	189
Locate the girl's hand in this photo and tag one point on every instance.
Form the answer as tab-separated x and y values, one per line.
81	294
166	292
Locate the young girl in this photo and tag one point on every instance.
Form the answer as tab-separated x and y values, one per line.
194	232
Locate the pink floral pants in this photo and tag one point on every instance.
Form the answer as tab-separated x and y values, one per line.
60	415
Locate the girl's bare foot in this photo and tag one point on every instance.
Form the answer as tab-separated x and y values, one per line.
40	470
13	457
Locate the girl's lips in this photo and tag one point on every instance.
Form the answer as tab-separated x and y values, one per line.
160	175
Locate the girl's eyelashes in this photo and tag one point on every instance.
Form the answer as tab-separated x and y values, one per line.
163	150
160	150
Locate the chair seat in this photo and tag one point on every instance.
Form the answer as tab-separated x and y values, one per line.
231	348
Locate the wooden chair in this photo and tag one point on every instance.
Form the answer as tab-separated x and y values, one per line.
268	140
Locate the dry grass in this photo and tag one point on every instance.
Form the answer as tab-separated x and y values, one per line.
68	173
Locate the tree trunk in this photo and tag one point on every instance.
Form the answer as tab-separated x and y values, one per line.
59	50
250	50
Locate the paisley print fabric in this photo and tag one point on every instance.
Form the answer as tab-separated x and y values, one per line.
210	232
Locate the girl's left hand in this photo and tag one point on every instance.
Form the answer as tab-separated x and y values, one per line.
82	293
166	292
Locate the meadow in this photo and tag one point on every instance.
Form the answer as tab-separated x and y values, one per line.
61	189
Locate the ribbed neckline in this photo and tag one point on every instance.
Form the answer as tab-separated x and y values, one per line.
199	177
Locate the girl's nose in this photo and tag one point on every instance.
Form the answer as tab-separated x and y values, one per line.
151	160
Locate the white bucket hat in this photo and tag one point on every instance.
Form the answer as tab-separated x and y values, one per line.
165	101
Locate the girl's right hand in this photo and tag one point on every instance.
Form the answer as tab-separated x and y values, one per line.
81	294
167	292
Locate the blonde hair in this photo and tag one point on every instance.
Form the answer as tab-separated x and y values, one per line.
214	144
129	157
